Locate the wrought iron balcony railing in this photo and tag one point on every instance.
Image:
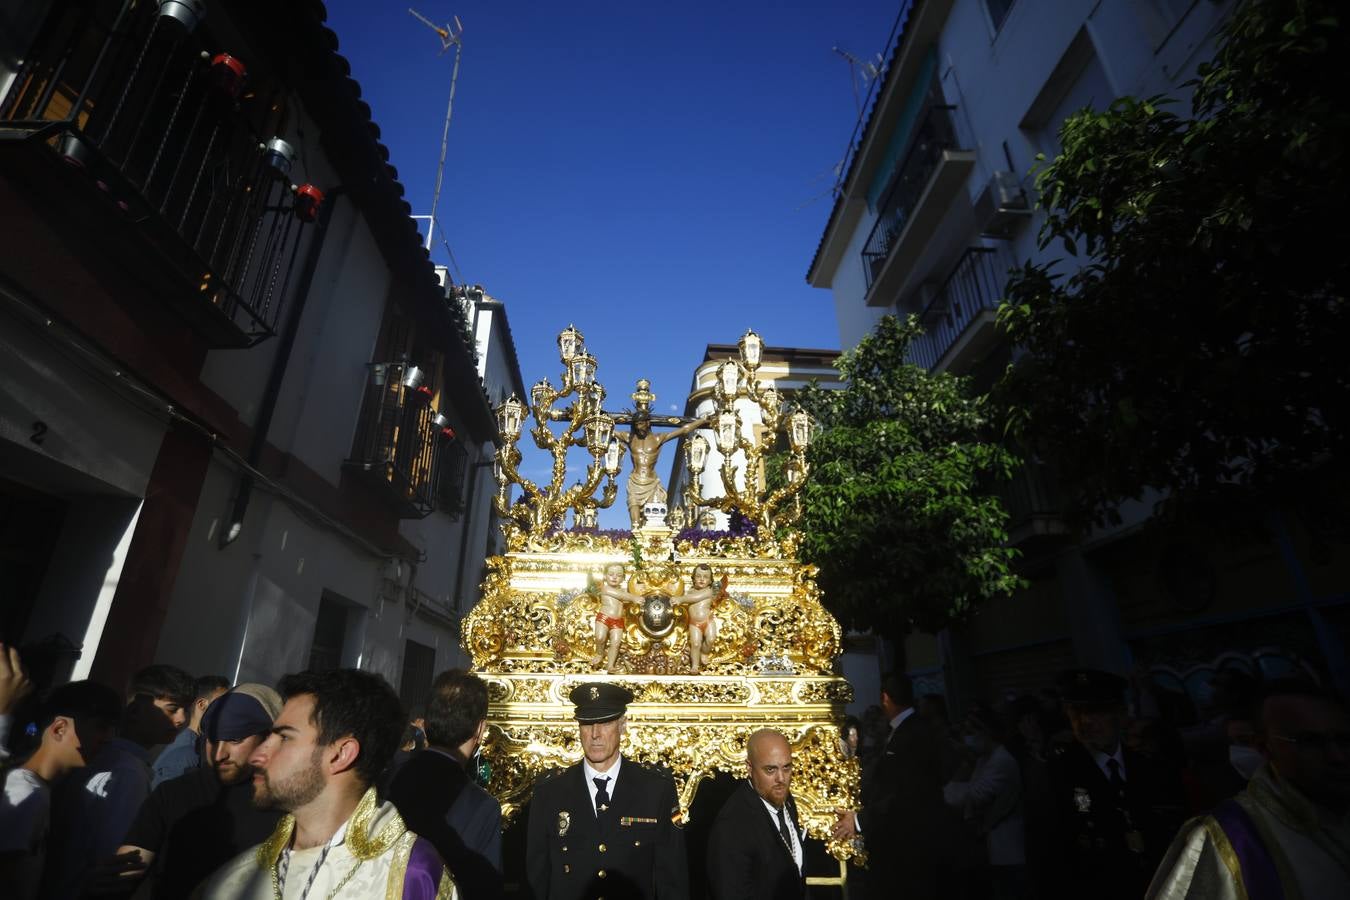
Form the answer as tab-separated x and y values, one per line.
974	285
933	135
171	142
401	439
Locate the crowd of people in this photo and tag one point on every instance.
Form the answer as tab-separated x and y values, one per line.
325	787
1064	793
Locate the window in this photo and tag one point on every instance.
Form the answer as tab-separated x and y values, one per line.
339	633
998	11
419	667
450	489
1079	80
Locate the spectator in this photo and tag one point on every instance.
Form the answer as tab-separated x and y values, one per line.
14	687
193	824
439	800
850	736
73	722
990	801
334	735
183	753
1287	833
91	812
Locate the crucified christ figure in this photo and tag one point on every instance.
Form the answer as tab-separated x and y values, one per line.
644	446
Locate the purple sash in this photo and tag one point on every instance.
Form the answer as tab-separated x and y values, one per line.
1259	874
423	876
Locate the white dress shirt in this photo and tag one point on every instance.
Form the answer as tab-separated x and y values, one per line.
795	840
592	774
1101	760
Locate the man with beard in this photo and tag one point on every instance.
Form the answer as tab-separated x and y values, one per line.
606	826
755	847
336	733
193	823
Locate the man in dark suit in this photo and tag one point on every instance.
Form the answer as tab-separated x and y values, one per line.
1114	811
902	805
437	798
755	846
607	826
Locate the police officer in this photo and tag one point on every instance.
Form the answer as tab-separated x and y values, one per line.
1115	811
605	827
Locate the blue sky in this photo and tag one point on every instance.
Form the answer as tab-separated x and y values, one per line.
657	174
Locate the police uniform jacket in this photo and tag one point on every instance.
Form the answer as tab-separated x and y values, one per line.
1110	841
632	850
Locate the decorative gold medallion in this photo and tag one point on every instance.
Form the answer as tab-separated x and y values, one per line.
1082	800
595	693
564	823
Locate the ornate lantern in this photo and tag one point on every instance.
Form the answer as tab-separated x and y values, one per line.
569	344
697	452
751	347
727	428
584	518
599	429
510	415
729	378
540	390
793	472
582	367
769	404
612	454
498	472
799	430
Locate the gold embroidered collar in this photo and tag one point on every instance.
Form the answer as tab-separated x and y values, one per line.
361	843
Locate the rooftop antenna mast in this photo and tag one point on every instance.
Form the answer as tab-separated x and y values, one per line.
450	37
861	73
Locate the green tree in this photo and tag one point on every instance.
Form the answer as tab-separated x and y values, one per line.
899	512
1199	349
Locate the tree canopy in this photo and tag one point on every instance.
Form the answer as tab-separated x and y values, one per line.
900	511
1199	349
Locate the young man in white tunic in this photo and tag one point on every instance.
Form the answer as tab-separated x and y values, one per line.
335	734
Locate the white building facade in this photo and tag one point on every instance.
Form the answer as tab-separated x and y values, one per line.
244	421
936	203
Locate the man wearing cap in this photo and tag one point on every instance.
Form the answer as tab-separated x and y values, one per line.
192	824
606	826
1114	811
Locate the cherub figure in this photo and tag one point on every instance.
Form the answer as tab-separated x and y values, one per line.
609	620
702	623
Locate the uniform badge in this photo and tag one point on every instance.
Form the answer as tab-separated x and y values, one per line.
595	693
1082	800
564	823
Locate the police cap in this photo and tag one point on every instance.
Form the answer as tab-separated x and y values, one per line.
1091	687
599	702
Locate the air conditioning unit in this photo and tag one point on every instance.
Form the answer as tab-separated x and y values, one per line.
1002	206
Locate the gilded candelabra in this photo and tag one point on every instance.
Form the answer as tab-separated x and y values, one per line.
737	382
585	424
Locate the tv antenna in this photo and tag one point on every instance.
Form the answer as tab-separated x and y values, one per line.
862	72
450	37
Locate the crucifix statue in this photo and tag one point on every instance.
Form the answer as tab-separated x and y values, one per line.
644	446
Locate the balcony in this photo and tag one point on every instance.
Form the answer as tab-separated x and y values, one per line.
140	140
401	440
1035	513
959	322
926	184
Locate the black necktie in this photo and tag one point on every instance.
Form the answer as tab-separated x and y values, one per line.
601	794
783	829
1117	780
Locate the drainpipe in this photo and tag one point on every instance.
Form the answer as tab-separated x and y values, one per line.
272	392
